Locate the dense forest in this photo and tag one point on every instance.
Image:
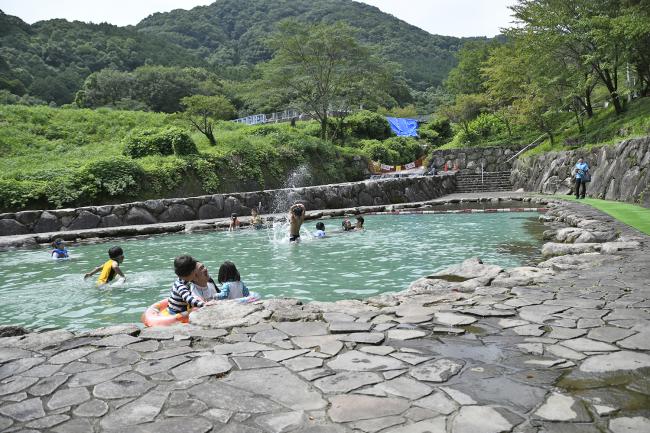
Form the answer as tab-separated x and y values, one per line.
50	60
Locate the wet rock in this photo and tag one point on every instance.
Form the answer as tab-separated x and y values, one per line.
439	370
453	319
472	268
12	330
360	361
346	408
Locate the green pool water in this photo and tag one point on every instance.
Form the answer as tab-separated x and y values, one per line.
39	292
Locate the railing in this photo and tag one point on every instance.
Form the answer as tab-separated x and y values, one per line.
280	116
534	143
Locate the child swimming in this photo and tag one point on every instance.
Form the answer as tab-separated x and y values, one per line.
296	218
110	268
320	230
58	249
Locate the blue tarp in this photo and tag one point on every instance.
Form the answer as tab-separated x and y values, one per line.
403	127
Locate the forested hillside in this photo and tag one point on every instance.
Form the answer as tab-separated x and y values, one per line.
49	60
233	32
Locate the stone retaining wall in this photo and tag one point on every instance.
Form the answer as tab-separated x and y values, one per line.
492	158
620	172
334	196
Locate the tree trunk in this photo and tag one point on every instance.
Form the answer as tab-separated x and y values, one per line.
323	127
588	107
606	78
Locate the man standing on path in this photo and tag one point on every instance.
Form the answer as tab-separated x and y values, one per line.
582	177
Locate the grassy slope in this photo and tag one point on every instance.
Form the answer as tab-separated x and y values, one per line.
630	214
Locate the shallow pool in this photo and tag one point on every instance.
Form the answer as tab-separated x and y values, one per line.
394	250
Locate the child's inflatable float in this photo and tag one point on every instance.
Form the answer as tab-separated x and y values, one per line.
158	314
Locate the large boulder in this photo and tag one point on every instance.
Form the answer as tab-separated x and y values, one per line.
552	249
472	268
177	212
85	220
48	222
137	215
10	227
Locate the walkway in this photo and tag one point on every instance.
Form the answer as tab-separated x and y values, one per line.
562	347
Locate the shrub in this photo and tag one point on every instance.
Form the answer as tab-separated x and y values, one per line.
436	131
112	177
167	141
367	125
395	150
17	193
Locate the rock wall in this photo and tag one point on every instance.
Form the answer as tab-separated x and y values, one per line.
333	196
620	172
470	159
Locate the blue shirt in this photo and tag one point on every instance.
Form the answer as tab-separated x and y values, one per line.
319	234
581	169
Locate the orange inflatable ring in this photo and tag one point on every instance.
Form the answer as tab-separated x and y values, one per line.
158	315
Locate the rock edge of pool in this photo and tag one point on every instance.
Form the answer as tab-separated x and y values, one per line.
561	346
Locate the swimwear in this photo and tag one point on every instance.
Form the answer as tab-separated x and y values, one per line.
294	238
108	273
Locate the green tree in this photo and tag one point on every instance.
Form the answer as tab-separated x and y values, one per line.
201	111
465	109
323	68
466	77
584	31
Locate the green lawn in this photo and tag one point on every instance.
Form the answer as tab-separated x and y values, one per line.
630	214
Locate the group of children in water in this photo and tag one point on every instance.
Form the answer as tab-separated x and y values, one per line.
193	287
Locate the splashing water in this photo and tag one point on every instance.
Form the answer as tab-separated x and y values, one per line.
297	178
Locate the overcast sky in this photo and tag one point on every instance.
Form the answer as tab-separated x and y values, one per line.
443	17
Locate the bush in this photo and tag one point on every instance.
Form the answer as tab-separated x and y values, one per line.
167	141
486	127
111	177
436	131
367	125
395	150
17	193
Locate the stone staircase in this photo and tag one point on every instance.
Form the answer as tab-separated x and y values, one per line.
487	182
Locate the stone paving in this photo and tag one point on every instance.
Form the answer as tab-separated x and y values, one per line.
561	347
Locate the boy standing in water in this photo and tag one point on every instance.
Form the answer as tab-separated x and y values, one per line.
110	268
296	218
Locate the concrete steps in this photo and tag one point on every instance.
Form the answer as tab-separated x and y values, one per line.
488	181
